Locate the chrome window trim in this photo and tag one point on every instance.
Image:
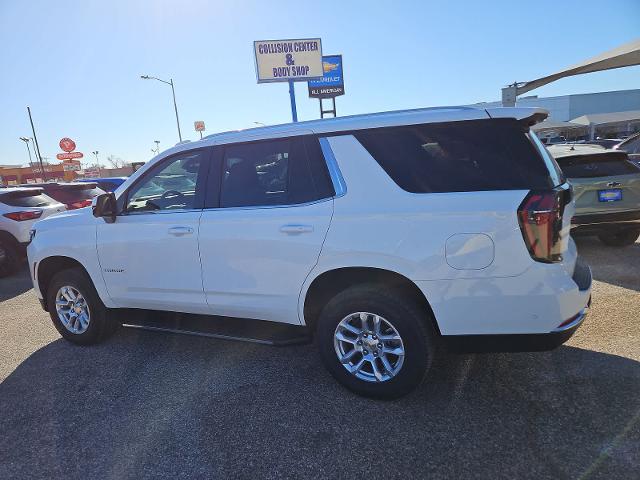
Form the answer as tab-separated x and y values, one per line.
256	207
159	212
337	179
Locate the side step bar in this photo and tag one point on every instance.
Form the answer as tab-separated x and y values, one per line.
224	328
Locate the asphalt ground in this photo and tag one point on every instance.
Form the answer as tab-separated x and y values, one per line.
150	404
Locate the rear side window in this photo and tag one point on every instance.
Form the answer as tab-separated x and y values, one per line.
273	172
592	166
26	199
465	156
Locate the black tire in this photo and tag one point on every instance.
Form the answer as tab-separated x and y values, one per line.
100	326
412	322
620	239
9	258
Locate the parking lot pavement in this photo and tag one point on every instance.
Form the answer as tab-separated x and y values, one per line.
158	405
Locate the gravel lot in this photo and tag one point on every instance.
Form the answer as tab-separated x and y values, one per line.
158	405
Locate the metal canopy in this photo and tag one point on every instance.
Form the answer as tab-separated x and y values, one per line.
626	55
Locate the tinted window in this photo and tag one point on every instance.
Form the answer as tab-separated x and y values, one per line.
631	146
266	173
171	186
74	194
591	166
26	199
458	157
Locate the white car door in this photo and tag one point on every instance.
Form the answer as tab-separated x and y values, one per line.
149	255
270	209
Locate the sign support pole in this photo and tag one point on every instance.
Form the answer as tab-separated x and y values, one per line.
292	96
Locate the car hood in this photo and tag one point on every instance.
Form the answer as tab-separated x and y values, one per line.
70	217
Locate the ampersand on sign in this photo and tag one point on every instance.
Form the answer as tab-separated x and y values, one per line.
289	59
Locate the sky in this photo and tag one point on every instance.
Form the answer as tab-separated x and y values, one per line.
77	64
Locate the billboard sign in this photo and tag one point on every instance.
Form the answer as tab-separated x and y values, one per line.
199	125
332	82
284	60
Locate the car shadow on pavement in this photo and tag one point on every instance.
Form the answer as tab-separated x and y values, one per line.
154	405
15	284
614	265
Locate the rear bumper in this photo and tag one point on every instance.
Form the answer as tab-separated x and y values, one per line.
535	342
606	218
529	342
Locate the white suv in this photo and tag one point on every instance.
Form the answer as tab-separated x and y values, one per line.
383	234
20	208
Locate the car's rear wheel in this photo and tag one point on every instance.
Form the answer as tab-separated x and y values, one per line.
9	258
76	309
375	342
620	239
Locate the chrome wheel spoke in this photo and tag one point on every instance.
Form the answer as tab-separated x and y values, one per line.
357	367
399	351
347	326
376	325
364	320
385	363
348	356
343	338
377	372
389	337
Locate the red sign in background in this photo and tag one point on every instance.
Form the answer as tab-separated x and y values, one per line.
67	145
70	155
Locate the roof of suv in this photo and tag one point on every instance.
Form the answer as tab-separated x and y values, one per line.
374	120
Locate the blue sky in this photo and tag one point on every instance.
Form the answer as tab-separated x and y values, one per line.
77	64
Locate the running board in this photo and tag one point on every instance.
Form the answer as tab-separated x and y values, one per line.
224	328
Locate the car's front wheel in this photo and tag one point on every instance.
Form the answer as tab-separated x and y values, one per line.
76	309
620	239
375	342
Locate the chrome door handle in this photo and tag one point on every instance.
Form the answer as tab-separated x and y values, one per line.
296	229
180	231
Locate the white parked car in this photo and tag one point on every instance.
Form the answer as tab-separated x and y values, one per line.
384	234
20	208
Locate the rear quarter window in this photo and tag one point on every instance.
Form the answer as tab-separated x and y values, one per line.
476	155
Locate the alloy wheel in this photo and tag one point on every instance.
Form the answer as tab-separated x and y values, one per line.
369	347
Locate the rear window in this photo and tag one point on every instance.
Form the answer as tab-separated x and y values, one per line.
26	199
465	156
591	166
74	194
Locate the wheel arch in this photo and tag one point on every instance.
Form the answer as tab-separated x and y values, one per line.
49	266
331	282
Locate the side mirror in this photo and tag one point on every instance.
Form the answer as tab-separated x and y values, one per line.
105	206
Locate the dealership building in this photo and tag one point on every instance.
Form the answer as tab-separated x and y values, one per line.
587	115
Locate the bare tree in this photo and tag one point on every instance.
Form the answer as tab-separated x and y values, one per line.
115	162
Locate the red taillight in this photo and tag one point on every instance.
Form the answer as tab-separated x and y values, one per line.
80	204
540	217
22	216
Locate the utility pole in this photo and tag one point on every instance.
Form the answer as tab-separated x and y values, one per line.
37	148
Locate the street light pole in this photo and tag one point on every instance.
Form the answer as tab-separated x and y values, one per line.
97	161
173	92
26	141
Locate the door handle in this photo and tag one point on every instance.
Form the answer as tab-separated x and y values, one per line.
296	229
180	231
